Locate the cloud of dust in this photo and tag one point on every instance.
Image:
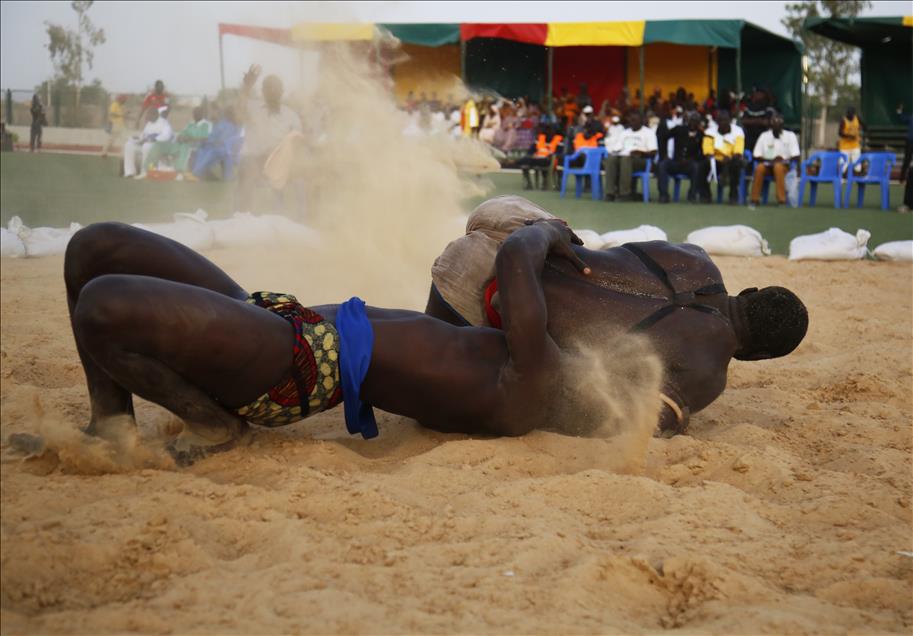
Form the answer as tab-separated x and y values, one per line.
386	204
69	450
609	391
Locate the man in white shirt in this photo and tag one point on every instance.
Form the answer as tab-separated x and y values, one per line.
613	135
157	129
635	145
725	150
774	151
266	123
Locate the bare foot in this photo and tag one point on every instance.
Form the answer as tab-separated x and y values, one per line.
191	446
116	429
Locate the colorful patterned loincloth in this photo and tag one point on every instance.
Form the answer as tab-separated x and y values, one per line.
312	384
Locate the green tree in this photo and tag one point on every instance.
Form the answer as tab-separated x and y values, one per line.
71	50
832	66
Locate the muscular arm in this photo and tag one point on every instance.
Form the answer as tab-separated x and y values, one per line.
524	314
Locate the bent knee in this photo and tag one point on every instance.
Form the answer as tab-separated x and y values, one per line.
87	247
105	304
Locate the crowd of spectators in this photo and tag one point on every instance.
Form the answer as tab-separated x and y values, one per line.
677	134
221	139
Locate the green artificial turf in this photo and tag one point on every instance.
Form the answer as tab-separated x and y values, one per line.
55	189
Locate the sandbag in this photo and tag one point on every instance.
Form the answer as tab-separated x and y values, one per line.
11	246
634	235
832	245
290	233
592	240
894	251
501	216
187	229
730	240
243	229
42	241
467	265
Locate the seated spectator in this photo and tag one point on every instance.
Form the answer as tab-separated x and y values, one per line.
590	132
155	100
188	140
507	129
773	151
526	129
157	129
726	145
669	119
756	116
571	111
221	147
688	159
266	123
541	155
614	129
628	155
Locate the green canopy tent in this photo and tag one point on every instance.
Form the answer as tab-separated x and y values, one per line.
886	68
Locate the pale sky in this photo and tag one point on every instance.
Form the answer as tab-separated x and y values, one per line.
178	41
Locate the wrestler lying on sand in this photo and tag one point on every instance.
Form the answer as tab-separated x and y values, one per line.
154	318
673	294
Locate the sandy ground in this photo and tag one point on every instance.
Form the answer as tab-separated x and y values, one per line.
783	511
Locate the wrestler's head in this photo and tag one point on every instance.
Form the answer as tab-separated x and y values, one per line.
774	320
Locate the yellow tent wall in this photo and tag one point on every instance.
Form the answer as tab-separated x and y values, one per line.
669	66
428	70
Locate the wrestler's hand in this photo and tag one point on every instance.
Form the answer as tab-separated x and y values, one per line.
562	237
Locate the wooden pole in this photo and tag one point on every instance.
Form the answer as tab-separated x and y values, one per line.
551	73
642	100
221	62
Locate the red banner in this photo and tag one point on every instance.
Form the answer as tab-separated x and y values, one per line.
529	33
267	34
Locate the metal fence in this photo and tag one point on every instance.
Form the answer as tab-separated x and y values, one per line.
61	108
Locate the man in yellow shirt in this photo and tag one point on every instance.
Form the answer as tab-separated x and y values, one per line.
849	136
116	127
725	146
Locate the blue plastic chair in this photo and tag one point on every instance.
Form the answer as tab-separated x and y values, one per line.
677	187
591	167
880	164
831	171
644	177
742	192
768	179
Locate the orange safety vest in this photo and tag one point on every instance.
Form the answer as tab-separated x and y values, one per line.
582	142
546	149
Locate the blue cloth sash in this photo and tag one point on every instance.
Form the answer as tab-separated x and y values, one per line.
356	344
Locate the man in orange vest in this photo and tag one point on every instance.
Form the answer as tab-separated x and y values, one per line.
541	155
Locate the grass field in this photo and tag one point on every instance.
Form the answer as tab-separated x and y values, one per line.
54	189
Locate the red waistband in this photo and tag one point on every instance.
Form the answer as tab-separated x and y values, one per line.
494	318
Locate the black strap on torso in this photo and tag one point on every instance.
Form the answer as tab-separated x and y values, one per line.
679	299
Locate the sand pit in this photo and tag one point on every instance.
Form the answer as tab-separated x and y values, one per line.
783	511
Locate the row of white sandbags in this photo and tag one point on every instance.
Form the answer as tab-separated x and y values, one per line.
742	240
192	230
